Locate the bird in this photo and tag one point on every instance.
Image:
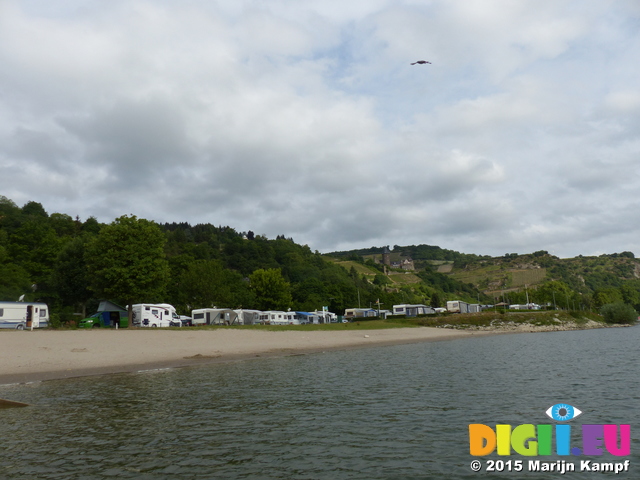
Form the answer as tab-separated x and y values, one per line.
421	62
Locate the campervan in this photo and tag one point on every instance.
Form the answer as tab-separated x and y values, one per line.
21	315
155	315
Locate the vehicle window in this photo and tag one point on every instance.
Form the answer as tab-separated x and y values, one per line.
43	312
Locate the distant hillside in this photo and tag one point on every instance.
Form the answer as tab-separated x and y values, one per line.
583	282
71	265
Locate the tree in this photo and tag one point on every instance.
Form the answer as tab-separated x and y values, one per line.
619	312
554	293
271	290
69	277
604	296
206	283
126	261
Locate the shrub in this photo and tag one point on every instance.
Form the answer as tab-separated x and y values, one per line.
619	313
54	320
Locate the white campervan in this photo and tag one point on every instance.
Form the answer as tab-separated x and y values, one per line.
21	315
154	315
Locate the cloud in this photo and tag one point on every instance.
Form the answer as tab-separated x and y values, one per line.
306	119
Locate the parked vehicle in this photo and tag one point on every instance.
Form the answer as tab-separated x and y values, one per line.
155	315
21	315
105	319
457	306
214	316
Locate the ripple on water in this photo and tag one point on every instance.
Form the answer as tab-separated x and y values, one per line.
381	413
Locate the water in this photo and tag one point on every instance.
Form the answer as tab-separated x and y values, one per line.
399	412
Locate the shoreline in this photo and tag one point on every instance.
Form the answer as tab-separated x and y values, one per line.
39	355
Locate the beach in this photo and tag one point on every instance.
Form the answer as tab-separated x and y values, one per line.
27	356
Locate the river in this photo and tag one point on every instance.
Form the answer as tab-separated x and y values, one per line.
394	412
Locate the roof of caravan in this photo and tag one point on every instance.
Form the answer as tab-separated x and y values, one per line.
22	303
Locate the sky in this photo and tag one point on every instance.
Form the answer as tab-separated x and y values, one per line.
306	118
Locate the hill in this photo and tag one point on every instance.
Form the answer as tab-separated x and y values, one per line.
573	283
71	265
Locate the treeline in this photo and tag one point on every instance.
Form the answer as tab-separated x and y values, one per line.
73	264
418	253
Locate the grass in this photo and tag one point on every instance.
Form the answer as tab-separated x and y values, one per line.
486	318
361	269
404	278
520	278
461	321
357	325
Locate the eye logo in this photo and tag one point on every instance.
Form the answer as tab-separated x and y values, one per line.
562	412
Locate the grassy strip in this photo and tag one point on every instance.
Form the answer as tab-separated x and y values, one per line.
484	319
488	318
359	325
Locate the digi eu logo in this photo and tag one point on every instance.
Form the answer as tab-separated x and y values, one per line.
531	440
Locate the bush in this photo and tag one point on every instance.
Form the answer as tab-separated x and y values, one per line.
619	313
54	320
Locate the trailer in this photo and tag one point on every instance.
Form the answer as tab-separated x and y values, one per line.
248	317
21	315
155	315
214	316
413	310
457	306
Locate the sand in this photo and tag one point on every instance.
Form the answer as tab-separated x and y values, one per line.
27	356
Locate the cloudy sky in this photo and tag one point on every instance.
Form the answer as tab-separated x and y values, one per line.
306	119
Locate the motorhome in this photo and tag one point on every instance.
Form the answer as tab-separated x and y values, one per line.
21	315
155	315
277	317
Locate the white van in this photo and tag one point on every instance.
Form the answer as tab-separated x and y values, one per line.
154	315
21	315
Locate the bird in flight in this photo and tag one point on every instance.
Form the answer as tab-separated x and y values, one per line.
421	62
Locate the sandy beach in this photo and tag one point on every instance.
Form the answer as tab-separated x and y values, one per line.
27	356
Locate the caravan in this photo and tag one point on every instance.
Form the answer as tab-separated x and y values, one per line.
155	315
21	315
214	316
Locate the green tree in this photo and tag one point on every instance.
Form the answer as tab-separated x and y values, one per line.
14	280
555	293
126	261
206	283
619	312
630	291
272	291
69	278
604	296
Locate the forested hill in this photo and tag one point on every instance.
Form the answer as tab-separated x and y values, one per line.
72	264
583	282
